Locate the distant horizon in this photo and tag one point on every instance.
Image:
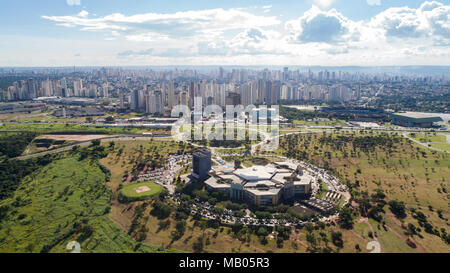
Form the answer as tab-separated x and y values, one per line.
440	70
117	33
218	65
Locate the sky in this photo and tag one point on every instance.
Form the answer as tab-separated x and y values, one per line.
231	32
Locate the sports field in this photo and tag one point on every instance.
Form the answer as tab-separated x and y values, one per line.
140	191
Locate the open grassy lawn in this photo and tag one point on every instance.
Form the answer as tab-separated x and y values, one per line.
428	137
320	122
441	146
148	190
405	172
231	151
438	141
71	128
322	190
66	200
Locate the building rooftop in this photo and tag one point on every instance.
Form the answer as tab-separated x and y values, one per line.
303	179
260	184
231	177
262	192
214	183
289	165
416	117
256	173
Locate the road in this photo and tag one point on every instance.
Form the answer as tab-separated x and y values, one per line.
425	144
88	142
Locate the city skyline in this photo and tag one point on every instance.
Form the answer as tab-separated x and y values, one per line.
308	33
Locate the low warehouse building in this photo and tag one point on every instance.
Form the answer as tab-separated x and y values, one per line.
409	119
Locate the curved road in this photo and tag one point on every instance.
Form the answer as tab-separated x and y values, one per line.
424	144
88	142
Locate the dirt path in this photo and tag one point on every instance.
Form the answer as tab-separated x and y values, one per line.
418	247
367	222
359	236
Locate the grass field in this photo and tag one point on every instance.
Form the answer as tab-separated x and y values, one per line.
438	141
319	122
130	191
403	170
72	128
441	146
231	151
429	137
67	200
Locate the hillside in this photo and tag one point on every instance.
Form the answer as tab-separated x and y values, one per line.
63	201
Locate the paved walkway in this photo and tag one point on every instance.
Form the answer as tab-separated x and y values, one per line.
425	144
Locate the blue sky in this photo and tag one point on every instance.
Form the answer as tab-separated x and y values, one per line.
246	32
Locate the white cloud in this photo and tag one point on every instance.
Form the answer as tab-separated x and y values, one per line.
83	14
252	41
73	2
318	26
179	24
324	3
374	2
266	9
432	19
237	36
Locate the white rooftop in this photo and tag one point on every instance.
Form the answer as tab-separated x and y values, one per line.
256	173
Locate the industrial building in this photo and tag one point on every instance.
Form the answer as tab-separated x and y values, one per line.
410	119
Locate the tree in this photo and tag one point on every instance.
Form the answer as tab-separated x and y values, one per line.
180	228
311	240
280	242
237	227
96	142
397	208
262	231
336	238
237	164
346	218
198	245
264	241
309	227
161	210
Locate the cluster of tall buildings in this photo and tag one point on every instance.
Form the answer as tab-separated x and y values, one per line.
148	101
158	91
155	97
31	88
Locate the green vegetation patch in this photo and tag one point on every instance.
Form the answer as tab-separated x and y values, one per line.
424	138
13	144
441	146
72	128
139	191
64	201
